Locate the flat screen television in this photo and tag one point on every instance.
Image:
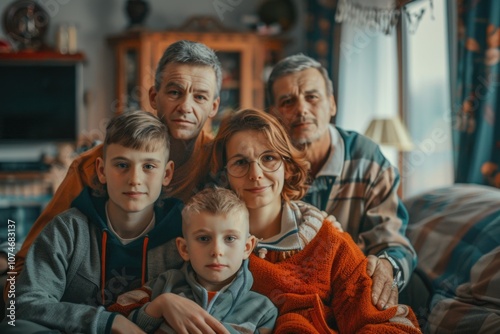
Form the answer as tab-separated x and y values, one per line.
38	102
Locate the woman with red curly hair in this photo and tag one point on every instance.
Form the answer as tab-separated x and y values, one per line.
313	273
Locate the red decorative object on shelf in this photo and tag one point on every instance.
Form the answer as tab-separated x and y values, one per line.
46	55
5	46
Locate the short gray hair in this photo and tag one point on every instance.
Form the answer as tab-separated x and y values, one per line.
293	64
188	52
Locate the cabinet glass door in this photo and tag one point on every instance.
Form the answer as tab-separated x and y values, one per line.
132	100
230	95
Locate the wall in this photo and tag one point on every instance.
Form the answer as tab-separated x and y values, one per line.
97	19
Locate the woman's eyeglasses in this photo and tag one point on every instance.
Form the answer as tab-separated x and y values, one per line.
267	161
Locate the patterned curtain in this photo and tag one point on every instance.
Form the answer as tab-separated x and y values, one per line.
477	124
319	31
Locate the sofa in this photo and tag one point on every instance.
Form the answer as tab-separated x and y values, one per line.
456	233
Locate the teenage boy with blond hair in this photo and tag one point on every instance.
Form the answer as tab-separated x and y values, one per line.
105	244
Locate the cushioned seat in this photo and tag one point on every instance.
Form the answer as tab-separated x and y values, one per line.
456	233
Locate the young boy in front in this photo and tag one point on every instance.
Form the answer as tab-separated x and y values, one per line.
105	245
216	246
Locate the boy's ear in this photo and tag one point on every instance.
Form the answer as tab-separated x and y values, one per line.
169	173
182	248
249	246
99	166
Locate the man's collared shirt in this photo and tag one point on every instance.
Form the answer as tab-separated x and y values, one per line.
358	186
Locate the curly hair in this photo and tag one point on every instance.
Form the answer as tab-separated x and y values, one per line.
296	166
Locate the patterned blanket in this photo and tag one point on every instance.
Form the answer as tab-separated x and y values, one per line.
456	233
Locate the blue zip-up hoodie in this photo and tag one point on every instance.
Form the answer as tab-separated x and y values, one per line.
124	267
235	306
61	284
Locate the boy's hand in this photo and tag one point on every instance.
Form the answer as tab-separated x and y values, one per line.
184	315
122	325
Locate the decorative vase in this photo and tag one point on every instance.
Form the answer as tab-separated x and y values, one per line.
137	10
282	12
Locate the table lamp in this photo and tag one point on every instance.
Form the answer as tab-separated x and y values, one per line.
390	132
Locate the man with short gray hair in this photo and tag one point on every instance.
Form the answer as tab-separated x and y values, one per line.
350	177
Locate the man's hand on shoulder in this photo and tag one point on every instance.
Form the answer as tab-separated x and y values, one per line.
384	292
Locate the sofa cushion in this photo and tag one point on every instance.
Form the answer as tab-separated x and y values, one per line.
456	233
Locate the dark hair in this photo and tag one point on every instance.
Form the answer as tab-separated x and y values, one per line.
187	52
293	64
296	166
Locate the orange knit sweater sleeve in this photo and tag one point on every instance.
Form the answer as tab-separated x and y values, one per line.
324	288
82	172
352	289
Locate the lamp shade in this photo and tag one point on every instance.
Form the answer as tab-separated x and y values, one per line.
389	132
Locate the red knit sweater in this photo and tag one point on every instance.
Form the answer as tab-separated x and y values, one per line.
325	289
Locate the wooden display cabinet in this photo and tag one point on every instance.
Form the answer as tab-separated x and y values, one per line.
244	58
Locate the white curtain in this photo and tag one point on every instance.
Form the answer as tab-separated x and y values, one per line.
427	105
368	79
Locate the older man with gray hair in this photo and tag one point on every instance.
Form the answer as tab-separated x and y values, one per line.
350	177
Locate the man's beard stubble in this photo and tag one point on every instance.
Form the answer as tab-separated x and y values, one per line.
304	142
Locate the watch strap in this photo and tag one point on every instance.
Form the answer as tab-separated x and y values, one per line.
397	273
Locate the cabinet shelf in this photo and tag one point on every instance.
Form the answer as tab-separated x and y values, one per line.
41	56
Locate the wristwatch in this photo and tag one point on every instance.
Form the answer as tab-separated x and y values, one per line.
397	273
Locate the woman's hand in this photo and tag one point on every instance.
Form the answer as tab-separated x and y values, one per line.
184	315
333	220
384	293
